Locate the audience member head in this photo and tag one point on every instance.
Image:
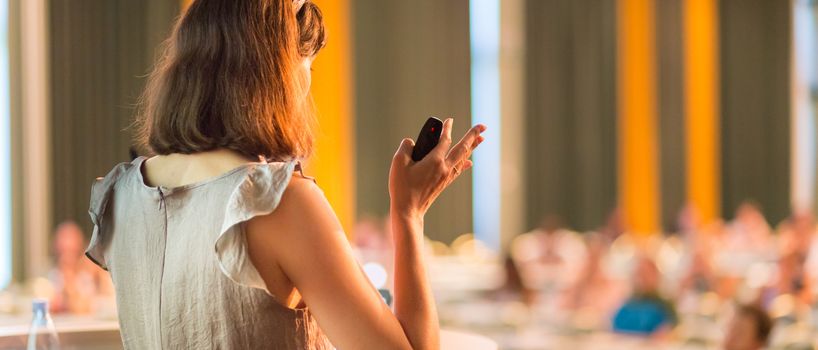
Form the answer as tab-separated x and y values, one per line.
749	213
551	224
749	329
688	219
549	227
803	222
69	243
614	225
646	276
369	233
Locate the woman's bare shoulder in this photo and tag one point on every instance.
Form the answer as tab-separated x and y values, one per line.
303	208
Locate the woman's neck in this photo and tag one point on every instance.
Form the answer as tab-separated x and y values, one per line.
178	169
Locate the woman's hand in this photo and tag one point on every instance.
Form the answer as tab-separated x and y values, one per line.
414	186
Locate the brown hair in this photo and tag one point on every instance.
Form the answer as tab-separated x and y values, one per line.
763	323
230	77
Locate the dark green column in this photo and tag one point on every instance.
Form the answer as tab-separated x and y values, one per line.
571	111
101	51
411	62
670	74
755	103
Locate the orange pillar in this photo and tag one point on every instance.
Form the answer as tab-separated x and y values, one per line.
701	88
334	164
637	125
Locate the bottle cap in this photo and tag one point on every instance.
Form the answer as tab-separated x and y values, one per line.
39	305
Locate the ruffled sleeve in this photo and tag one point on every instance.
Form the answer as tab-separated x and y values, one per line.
101	192
257	194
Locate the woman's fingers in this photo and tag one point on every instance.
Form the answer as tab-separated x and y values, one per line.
462	150
445	139
462	167
467	164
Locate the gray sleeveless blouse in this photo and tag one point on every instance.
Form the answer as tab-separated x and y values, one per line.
179	263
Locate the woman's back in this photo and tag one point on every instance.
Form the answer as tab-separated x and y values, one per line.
178	257
183	247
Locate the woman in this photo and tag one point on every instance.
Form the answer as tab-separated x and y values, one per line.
215	242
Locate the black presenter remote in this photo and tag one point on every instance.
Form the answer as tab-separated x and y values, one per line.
427	139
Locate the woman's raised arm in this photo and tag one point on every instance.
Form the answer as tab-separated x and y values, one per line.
303	240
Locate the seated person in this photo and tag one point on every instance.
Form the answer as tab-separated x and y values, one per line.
596	289
513	288
645	312
748	330
790	279
80	288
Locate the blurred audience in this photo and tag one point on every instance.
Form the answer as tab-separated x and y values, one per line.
549	257
681	286
596	290
372	239
744	242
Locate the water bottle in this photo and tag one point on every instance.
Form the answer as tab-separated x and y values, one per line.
42	335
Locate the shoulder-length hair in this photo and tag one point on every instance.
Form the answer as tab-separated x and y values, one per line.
231	76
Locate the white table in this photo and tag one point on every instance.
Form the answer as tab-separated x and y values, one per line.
87	333
75	332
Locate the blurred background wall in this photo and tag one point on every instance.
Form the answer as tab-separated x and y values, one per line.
100	54
640	105
411	62
570	111
755	92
